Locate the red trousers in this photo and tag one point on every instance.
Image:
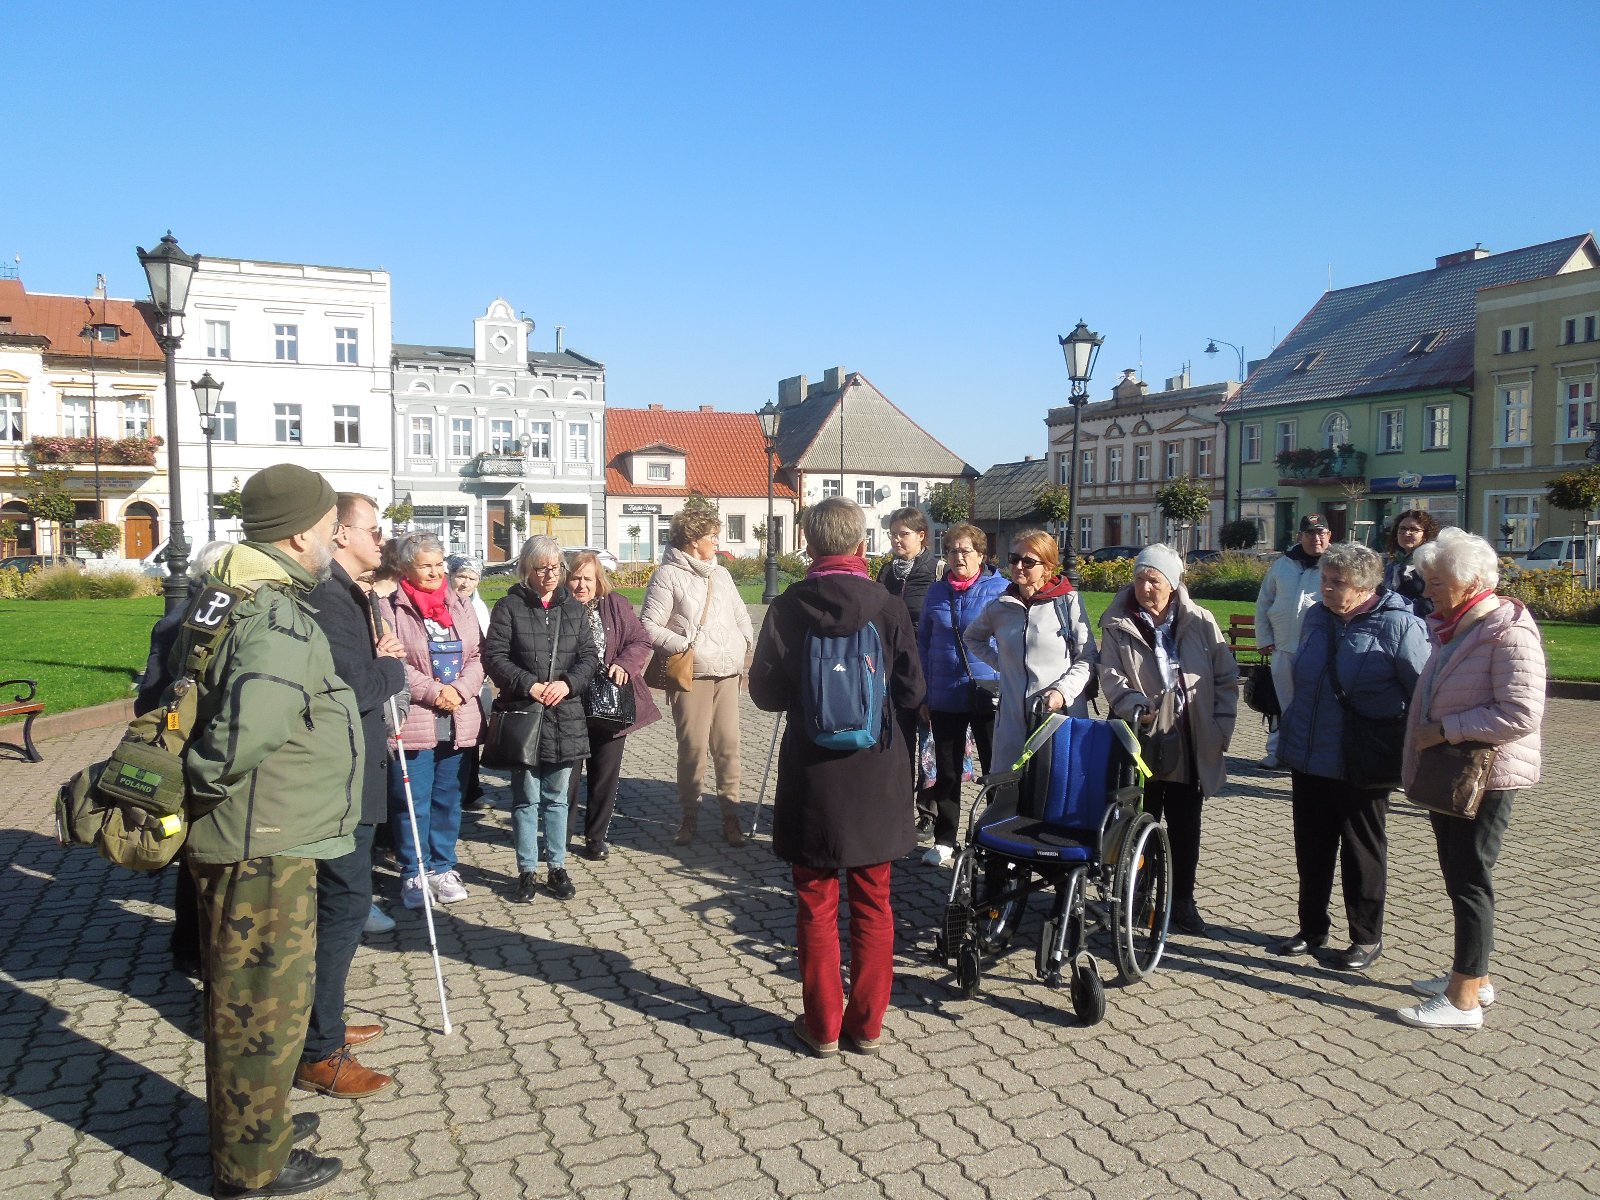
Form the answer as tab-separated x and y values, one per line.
871	950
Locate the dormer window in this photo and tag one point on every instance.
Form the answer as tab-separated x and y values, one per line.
1307	362
658	472
1426	342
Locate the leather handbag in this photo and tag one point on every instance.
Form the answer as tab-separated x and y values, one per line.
1260	693
608	706
1373	746
513	738
1451	779
675	672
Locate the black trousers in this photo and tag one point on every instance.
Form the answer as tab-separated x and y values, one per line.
604	768
1333	820
1467	854
1179	804
949	752
344	898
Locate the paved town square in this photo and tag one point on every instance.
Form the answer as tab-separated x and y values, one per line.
634	1042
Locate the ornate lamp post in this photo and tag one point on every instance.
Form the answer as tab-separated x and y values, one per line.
1211	348
169	271
207	395
1238	501
769	417
1081	347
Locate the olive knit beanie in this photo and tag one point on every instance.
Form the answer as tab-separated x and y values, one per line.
284	500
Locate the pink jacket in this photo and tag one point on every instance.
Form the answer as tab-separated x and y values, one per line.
1489	688
417	732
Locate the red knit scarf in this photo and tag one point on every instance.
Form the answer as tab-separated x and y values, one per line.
435	605
1446	627
839	564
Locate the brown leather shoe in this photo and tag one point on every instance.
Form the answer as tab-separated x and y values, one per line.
360	1035
340	1076
686	831
731	833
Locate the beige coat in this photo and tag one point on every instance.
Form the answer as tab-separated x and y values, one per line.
1131	679
671	614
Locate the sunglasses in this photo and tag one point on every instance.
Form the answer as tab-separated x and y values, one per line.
1029	563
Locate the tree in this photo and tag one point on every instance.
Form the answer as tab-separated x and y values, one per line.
1238	535
697	501
1054	502
1183	501
231	502
760	532
100	536
949	503
1575	491
48	499
400	512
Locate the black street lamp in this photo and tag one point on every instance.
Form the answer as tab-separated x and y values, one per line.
769	417
208	395
1081	347
1227	456
169	271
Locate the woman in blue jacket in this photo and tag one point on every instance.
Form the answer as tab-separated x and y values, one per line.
962	693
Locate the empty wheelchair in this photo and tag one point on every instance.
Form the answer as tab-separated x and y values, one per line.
1069	823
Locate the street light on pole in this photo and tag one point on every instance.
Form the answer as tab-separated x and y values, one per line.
1080	347
169	271
1227	456
207	395
770	416
1211	348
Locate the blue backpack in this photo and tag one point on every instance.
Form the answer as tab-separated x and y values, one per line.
843	690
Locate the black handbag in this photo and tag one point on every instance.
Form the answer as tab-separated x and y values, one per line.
608	706
1373	746
983	695
512	741
1260	692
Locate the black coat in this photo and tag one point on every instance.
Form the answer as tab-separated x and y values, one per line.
341	611
913	589
833	808
516	654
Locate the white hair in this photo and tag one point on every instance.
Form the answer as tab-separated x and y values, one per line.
1460	556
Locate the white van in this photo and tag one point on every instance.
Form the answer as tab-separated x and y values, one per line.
1568	552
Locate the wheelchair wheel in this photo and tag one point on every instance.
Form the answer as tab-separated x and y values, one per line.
967	971
1088	993
957	910
1141	898
998	930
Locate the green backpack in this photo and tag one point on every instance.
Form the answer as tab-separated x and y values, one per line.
134	807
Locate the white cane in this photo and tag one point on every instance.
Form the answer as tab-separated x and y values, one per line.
416	840
766	773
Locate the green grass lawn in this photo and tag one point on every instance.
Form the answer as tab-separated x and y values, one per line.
86	652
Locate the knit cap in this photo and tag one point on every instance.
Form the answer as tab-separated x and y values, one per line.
1161	558
284	500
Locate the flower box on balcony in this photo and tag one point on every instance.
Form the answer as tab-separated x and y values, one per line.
120	452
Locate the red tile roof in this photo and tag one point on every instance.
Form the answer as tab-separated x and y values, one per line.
726	456
61	320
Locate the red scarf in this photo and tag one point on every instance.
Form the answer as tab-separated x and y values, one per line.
961	585
839	564
435	605
1059	586
1446	627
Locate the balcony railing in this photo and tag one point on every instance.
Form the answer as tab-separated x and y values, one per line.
1327	465
116	452
498	464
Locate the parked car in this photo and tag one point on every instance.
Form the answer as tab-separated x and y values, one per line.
607	559
1553	552
1195	556
1113	553
37	562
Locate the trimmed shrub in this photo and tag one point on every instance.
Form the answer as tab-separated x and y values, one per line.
1106	576
1229	576
11	584
1552	595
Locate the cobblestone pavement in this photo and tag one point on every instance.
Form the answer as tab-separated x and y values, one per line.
633	1042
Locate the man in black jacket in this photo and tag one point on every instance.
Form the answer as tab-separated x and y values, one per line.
373	664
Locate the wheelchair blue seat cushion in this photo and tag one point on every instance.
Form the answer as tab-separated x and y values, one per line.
1032	840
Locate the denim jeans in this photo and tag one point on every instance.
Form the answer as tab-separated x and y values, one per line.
436	778
546	788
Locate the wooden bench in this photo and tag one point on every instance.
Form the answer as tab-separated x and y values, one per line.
23	705
1242	639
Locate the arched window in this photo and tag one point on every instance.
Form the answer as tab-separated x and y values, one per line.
1335	430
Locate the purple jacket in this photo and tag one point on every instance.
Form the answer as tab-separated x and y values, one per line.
1486	686
628	646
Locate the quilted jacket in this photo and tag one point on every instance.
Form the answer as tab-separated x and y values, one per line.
947	679
417	731
1487	685
671	613
524	638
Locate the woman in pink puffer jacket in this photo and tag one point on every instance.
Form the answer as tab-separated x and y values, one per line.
1484	683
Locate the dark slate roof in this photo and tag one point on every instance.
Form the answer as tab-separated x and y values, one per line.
878	436
406	352
1008	491
1364	334
558	360
550	360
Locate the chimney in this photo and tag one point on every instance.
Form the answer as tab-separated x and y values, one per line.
655	408
791	391
1027	458
833	379
1461	256
1130	386
560	329
1177	382
707	408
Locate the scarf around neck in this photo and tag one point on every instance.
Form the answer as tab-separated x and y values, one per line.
839	564
1446	626
435	605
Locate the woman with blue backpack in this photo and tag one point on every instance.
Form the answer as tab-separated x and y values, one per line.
963	693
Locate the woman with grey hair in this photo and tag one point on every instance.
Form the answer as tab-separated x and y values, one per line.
1361	651
1484	684
464	575
539	650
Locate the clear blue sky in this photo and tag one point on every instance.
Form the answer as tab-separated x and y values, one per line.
711	197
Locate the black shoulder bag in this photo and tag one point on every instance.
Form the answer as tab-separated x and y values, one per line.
513	738
1373	746
983	695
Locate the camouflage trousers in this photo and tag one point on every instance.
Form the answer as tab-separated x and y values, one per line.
258	923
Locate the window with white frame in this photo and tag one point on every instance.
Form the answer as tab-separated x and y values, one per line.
219	339
1287	435
346	345
1174	465
286	423
136	418
286	343
872	540
421	437
831	488
1202	458
539	441
1391	431
733	528
866	492
501	439
1515	424
1436	427
1335	430
909	497
226	426
1577	407
1141	463
1085	533
1141	529
658	472
1086	467
347	425
578	442
1516	338
75	416
1064	470
1113	464
1582	328
10	416
460	437
1522	514
1250	443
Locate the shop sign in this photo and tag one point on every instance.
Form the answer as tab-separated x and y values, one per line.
1411	481
641	510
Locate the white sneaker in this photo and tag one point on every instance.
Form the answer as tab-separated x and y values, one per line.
378	921
411	892
938	856
448	887
1437	985
1439	1013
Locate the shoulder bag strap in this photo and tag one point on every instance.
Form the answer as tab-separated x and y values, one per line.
705	611
961	642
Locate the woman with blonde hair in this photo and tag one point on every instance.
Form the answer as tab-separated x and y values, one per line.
693	603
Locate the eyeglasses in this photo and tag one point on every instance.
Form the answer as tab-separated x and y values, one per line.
960	551
1409	529
375	531
555	570
1029	563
